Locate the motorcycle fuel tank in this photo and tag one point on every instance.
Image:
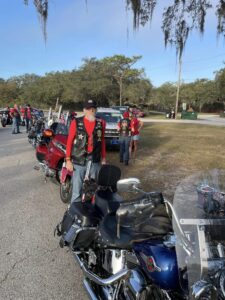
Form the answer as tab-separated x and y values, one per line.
159	263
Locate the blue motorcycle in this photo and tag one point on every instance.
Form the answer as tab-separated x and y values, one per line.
132	250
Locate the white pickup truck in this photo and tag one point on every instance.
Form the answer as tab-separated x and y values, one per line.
112	118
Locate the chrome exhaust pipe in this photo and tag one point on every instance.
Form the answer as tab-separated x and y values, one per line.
47	171
90	290
98	280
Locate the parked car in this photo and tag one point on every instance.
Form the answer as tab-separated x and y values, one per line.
112	118
122	109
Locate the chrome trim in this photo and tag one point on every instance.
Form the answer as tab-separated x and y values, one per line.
220	249
222	282
90	290
201	287
201	222
123	274
114	260
187	246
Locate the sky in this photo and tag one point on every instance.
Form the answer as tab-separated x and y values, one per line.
102	28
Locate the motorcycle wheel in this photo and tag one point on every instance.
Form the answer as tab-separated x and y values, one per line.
3	123
66	190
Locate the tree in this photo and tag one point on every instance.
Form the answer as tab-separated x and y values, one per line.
199	93
163	96
119	67
139	89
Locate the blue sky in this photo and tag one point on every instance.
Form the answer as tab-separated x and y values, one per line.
103	28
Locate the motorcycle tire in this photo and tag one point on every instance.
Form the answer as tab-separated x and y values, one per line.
34	144
66	189
3	123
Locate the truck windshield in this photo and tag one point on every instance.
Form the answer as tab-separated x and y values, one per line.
109	117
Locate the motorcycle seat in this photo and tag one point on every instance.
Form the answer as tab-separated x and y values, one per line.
107	202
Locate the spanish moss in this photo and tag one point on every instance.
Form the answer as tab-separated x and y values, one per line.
221	17
178	19
42	9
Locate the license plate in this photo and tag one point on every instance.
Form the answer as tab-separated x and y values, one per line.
114	142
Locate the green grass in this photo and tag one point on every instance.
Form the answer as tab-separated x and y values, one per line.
168	153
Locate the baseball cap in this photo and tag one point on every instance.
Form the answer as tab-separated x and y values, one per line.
90	103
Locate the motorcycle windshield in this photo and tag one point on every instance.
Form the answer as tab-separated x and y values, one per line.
199	227
59	128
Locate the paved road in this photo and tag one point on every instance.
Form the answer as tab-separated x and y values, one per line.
32	266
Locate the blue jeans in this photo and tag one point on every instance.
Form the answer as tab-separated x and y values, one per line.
124	148
15	125
78	179
28	123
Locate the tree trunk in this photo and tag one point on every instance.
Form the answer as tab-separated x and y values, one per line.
178	86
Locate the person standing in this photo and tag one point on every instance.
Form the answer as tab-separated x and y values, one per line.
85	143
124	128
28	115
16	119
136	125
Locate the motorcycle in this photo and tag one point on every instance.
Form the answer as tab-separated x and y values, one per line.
130	250
35	131
120	247
50	153
5	118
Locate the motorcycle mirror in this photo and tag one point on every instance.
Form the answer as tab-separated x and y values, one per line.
128	184
47	133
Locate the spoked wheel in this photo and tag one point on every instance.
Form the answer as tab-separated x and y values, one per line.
66	190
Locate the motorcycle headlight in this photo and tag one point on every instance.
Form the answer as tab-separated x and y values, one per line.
60	146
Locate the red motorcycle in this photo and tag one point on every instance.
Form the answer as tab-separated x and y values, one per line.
50	152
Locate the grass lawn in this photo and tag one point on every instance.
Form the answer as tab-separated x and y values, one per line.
169	152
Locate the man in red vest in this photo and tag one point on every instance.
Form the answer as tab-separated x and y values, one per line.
86	142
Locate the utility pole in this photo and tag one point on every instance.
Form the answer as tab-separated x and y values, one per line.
121	87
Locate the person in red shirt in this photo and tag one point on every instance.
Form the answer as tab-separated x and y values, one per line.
85	142
136	125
